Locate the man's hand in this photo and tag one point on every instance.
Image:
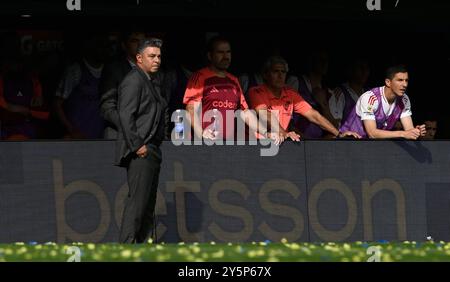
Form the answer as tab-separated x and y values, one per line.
142	152
412	134
276	137
422	129
209	134
294	136
349	133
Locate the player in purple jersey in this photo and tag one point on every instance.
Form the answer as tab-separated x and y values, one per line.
377	110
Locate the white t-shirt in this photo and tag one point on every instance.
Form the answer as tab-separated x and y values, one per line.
368	104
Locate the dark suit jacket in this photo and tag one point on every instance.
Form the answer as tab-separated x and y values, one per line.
141	108
112	76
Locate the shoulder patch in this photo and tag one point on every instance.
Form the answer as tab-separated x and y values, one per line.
371	101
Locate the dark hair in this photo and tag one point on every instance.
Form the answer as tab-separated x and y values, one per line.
393	70
214	41
149	42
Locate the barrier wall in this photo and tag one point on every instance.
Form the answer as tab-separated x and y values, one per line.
311	191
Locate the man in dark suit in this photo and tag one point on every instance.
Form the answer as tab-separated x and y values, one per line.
143	119
112	76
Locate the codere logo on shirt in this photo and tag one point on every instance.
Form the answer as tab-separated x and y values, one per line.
224	104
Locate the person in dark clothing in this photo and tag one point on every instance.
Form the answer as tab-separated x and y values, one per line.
112	76
77	103
143	119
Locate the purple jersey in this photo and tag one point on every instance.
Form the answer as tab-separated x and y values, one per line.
384	122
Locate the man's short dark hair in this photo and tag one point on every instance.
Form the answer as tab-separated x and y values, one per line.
149	42
214	41
392	71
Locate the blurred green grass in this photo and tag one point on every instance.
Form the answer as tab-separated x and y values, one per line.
245	252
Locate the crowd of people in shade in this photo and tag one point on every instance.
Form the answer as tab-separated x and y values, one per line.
81	102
